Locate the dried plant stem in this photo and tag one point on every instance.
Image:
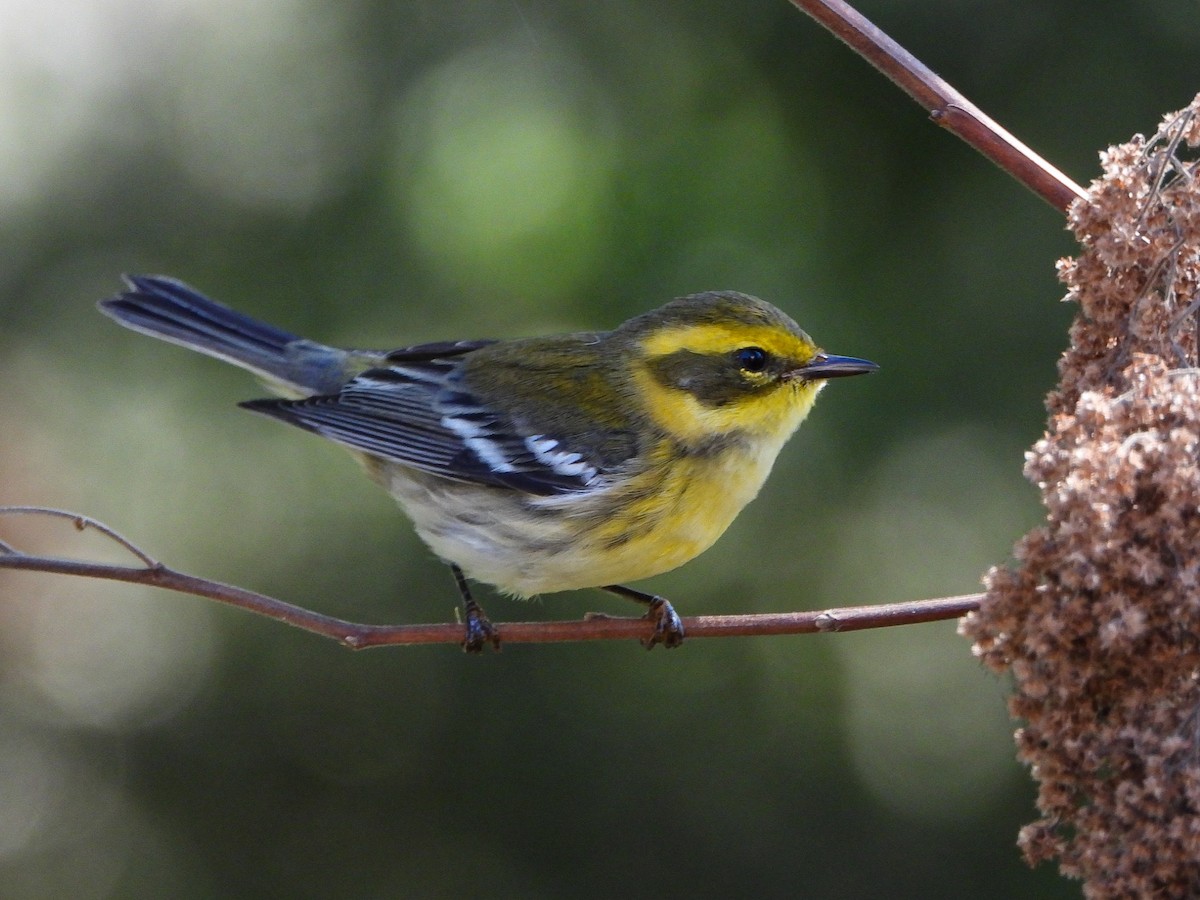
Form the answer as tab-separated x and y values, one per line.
1097	622
358	636
946	106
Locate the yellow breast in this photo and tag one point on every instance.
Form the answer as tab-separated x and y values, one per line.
669	516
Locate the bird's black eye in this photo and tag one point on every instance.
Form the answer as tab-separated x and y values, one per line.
751	359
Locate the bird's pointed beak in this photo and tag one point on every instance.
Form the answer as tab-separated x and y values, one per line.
825	365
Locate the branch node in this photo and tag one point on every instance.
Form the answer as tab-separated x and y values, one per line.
828	622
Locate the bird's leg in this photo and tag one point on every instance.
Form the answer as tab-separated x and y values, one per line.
668	627
479	629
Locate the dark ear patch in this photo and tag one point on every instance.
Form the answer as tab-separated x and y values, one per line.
714	380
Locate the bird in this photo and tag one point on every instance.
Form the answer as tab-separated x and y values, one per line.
541	464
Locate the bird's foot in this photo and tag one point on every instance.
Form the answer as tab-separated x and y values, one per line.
668	627
478	629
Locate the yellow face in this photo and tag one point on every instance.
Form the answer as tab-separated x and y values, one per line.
719	379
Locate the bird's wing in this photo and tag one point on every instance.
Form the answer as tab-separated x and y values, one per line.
416	411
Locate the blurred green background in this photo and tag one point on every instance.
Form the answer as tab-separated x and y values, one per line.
376	174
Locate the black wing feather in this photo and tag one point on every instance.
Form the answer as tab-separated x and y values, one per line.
416	412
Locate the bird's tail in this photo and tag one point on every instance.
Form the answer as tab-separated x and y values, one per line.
171	311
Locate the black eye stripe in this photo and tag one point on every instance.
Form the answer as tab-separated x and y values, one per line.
751	359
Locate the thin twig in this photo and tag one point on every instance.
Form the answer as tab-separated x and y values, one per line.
946	106
82	522
359	636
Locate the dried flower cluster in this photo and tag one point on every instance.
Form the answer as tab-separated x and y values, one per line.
1099	622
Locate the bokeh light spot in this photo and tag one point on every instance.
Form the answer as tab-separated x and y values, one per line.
928	732
502	169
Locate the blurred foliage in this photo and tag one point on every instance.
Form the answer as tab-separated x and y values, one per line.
382	173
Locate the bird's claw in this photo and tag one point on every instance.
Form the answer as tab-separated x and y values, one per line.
478	629
668	627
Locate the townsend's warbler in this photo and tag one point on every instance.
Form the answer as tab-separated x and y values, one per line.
544	464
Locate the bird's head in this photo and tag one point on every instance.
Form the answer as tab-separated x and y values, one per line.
720	364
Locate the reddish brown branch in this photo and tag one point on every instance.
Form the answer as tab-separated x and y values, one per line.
946	106
358	636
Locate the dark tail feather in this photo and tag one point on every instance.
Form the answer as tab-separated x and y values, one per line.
171	311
